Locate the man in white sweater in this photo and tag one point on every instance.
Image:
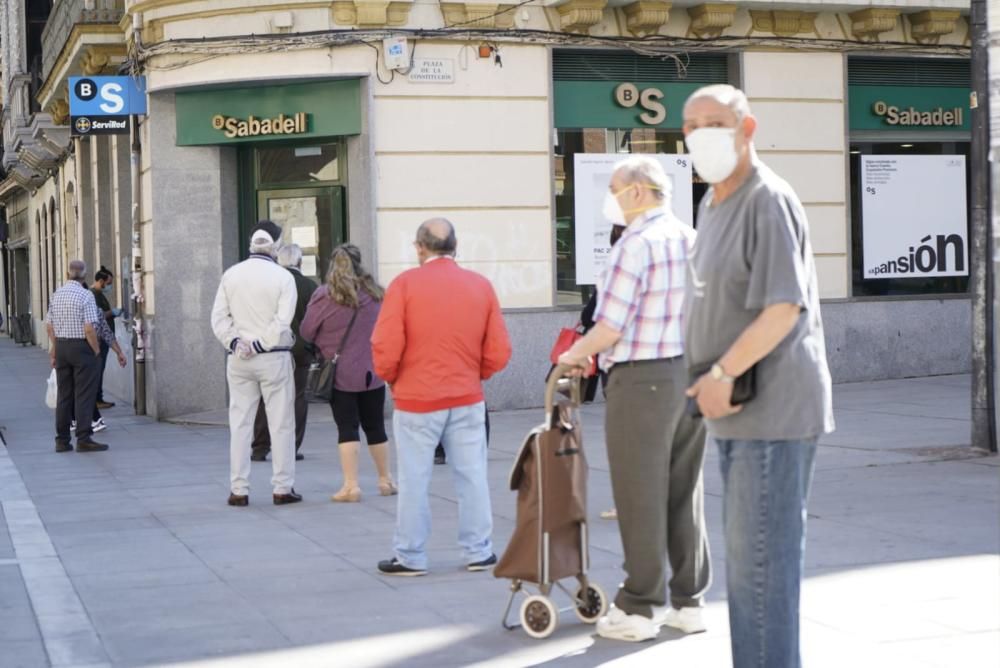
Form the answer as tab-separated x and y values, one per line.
252	318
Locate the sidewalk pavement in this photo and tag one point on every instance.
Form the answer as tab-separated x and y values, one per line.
131	557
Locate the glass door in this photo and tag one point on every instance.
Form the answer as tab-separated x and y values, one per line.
313	218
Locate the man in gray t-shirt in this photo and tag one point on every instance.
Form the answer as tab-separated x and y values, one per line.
752	305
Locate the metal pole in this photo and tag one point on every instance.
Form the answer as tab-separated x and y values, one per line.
993	23
983	392
139	322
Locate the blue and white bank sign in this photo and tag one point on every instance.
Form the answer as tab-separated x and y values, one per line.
102	105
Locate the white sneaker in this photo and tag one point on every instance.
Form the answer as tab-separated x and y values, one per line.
619	625
687	620
98	425
72	425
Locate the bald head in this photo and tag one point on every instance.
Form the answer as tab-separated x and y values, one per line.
77	270
437	236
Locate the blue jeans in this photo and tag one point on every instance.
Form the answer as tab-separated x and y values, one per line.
463	432
766	484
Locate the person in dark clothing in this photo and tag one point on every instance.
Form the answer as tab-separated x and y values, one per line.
290	257
102	289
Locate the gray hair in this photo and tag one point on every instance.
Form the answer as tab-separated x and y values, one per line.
726	95
437	235
290	256
647	171
77	270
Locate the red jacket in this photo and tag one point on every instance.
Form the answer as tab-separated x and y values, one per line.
439	334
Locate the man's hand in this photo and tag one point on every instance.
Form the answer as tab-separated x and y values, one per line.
121	359
714	397
244	350
579	363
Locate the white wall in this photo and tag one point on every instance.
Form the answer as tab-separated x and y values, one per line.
799	100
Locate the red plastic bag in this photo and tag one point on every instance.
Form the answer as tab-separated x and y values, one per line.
567	337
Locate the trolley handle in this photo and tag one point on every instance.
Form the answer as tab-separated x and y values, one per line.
559	374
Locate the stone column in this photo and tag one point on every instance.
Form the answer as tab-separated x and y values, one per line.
194	238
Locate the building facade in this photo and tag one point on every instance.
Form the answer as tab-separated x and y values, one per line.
491	116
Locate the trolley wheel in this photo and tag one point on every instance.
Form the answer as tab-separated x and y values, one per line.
539	616
591	606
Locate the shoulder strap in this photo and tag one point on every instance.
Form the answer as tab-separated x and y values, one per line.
343	341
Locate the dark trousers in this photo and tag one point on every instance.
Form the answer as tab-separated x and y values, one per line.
77	375
261	435
100	383
655	456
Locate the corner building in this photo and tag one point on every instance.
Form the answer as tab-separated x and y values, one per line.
258	110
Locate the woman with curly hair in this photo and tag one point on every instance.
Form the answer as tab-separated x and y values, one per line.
341	316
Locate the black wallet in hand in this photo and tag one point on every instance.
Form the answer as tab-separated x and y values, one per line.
744	387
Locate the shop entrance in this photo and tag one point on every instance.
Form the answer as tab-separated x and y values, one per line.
302	189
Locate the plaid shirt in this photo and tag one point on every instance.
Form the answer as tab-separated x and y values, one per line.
642	290
73	306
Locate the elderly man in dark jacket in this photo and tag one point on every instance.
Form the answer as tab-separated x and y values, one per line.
290	257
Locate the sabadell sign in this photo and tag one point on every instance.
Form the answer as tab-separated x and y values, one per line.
909	116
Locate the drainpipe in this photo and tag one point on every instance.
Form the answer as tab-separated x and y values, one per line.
139	329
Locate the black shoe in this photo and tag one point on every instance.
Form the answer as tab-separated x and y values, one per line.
484	565
393	567
90	446
299	457
105	404
283	499
258	457
239	499
64	447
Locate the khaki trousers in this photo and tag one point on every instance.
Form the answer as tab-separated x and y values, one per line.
655	453
268	375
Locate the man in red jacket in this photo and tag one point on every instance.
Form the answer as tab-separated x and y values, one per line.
439	335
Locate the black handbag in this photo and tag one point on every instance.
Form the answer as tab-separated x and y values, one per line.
744	387
322	374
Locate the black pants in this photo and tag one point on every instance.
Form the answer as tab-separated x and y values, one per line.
261	435
105	349
77	375
359	409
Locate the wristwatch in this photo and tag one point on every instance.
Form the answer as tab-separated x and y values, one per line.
719	374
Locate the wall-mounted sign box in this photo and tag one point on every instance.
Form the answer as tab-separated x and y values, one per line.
621	104
102	105
312	110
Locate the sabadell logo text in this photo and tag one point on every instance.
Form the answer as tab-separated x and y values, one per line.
927	257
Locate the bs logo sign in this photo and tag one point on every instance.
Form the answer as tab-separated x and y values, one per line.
102	105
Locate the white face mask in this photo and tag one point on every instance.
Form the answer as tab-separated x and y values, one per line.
612	210
713	152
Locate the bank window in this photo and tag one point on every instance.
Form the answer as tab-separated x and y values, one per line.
282	165
916	257
597	140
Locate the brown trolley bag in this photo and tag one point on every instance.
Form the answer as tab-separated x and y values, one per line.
550	534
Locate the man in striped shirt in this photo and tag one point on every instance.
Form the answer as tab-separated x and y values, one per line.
655	449
73	323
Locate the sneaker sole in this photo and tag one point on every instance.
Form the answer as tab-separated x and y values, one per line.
479	569
626	636
684	629
401	574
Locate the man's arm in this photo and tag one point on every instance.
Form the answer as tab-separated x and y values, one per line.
282	320
222	320
91	335
755	343
389	337
52	343
496	343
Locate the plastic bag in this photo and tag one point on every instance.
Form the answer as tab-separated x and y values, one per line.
52	391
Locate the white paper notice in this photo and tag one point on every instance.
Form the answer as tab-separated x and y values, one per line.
309	265
591	176
304	236
914	216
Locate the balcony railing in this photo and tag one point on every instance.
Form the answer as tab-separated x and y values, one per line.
66	14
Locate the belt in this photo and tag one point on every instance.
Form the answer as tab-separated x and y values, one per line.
64	340
659	360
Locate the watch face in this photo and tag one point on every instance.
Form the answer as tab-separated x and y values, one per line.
716	372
